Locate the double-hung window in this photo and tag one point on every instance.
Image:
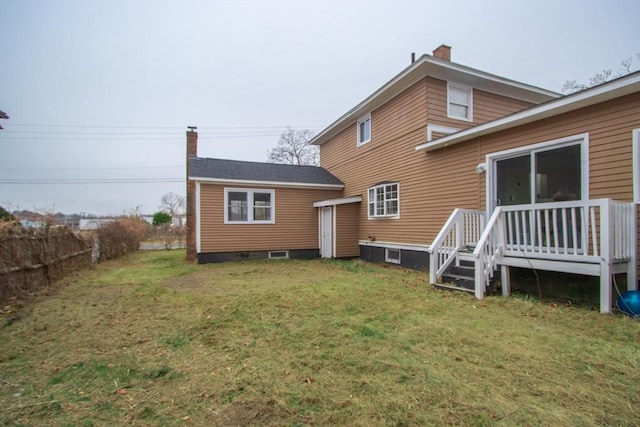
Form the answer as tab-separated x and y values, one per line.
459	102
249	206
364	130
384	200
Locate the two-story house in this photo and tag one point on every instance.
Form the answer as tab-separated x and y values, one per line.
444	166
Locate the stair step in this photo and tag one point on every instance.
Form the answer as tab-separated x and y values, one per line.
453	276
450	287
461	270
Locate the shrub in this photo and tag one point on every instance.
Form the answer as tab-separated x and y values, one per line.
160	218
121	236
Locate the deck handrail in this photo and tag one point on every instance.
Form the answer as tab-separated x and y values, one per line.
560	231
488	251
464	226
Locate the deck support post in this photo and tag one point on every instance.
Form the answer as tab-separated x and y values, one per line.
479	278
606	289
606	270
632	277
632	268
505	280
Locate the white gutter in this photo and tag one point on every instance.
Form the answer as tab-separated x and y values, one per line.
266	183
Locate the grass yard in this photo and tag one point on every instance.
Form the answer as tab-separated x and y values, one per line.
153	340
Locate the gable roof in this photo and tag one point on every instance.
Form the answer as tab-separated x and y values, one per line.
235	171
604	92
428	65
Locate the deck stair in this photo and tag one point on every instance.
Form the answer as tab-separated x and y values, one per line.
590	237
459	277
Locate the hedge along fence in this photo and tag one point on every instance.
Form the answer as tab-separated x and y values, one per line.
32	259
119	237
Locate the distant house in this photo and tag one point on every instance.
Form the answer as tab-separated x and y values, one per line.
452	170
29	223
93	223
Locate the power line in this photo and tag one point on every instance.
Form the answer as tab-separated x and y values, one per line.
139	138
176	134
182	128
90	181
94	168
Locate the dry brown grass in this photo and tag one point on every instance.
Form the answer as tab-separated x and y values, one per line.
152	340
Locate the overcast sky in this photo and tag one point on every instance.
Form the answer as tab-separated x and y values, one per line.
98	91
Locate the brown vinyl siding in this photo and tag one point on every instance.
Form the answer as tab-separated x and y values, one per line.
347	230
486	106
428	188
296	221
609	125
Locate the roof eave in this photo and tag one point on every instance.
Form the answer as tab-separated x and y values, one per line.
428	65
602	93
335	202
266	183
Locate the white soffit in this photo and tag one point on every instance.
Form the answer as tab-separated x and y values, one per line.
334	202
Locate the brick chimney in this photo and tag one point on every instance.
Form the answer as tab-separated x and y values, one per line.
443	52
192	151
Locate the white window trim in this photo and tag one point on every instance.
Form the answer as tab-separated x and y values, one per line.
250	192
581	139
392	216
461	87
271	255
635	140
392	260
439	129
361	120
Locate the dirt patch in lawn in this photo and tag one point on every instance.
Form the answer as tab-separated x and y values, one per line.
245	277
255	413
199	283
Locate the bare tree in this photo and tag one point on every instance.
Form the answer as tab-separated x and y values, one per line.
294	149
3	115
172	235
626	67
174	205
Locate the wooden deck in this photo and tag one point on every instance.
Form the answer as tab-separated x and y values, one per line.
594	237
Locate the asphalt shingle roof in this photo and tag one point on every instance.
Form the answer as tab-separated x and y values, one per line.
255	171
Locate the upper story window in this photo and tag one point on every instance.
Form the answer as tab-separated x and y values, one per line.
249	206
459	102
384	200
364	130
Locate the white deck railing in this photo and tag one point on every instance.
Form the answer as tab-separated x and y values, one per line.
464	227
569	230
593	237
598	231
487	252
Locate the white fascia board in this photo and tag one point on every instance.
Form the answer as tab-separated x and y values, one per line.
334	202
392	245
266	183
586	98
425	66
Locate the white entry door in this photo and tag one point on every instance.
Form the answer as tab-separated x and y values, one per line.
326	232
